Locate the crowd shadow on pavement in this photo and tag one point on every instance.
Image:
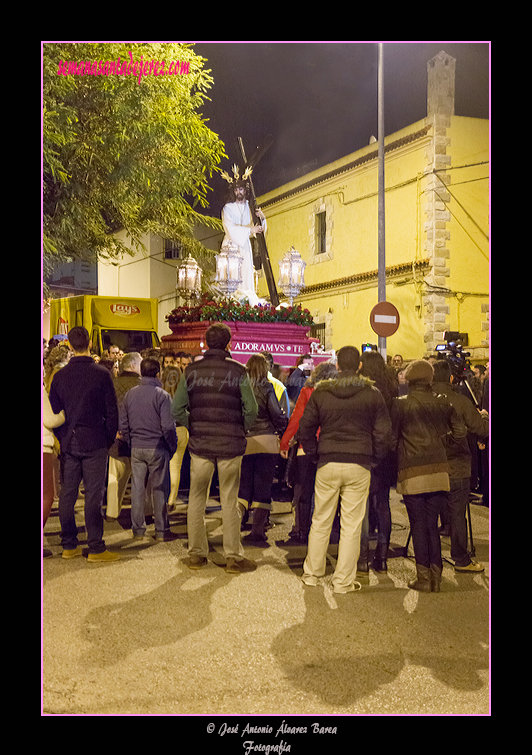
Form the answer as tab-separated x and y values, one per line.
159	617
349	646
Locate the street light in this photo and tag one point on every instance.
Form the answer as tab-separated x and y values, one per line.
188	278
291	274
229	268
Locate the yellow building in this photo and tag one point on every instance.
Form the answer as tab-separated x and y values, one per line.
436	227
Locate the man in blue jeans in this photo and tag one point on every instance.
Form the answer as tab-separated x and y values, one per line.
146	424
84	390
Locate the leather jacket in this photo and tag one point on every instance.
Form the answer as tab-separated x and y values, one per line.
423	422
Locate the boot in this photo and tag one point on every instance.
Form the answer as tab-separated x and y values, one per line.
435	577
242	512
423	581
258	529
379	558
363	559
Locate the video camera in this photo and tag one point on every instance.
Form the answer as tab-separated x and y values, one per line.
456	357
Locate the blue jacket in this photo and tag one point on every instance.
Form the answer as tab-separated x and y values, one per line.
145	417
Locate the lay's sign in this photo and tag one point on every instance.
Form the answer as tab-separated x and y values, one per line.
124	310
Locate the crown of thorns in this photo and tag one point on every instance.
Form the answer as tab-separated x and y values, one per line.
236	175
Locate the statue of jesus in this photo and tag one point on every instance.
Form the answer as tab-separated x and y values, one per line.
239	228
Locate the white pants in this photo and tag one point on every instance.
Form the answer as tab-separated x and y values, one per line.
176	462
201	472
119	474
350	483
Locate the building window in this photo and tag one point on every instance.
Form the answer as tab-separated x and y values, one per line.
172	250
318	331
321	232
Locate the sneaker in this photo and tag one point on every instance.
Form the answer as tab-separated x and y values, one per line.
196	562
354	587
103	557
72	553
238	567
472	568
309	579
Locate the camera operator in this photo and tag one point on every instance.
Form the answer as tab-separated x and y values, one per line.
459	457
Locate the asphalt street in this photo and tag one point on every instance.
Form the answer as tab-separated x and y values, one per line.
148	636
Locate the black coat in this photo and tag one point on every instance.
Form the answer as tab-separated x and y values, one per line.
423	424
216	389
271	419
458	453
353	421
84	390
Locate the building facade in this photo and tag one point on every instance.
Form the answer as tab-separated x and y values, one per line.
151	273
436	227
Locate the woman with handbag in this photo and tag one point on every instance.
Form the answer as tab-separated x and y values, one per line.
262	449
304	470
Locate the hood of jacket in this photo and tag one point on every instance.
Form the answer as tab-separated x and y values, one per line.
345	385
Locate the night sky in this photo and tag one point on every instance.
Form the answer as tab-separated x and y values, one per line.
319	100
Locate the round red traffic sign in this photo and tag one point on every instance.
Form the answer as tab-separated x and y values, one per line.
384	319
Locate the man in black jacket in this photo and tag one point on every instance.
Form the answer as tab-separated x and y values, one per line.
459	458
215	401
354	434
84	390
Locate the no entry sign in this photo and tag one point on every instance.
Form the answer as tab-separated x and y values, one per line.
384	319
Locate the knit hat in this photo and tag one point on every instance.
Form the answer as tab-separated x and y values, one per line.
420	371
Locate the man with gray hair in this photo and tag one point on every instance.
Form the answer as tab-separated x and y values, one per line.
120	454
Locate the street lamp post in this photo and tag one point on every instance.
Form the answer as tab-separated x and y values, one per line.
381	283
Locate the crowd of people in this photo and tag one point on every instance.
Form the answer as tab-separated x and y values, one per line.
341	434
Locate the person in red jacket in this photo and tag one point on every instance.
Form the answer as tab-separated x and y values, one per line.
305	467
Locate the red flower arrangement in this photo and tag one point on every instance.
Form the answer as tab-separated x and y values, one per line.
235	311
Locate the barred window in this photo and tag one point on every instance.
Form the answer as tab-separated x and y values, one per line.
321	232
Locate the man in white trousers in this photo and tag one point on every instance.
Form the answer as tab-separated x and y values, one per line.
347	429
